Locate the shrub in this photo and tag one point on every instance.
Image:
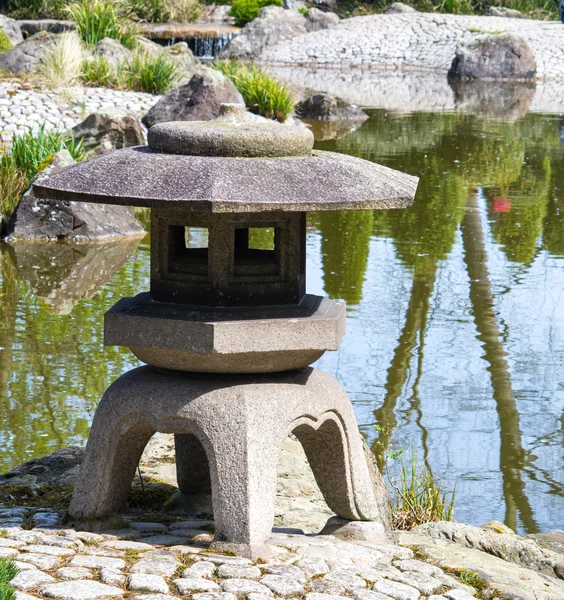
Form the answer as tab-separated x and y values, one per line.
30	153
99	19
62	64
166	11
263	94
5	43
244	11
151	74
38	9
418	498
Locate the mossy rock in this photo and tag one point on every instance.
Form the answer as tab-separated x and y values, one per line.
5	43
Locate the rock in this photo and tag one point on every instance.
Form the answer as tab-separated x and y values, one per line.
398	591
282	586
322	586
366	531
80	590
214	596
494	56
32	26
323	107
274	24
149	47
199	569
458	595
142	582
502	11
317	596
74	573
198	100
509	547
287	571
155	566
318	19
127	545
112	51
368	595
505	577
397	8
238	572
51	550
426	584
243	587
192	586
325	5
24	57
41	561
53	220
145	527
418	567
312	566
348	580
112	577
97	562
26	580
109	130
12	29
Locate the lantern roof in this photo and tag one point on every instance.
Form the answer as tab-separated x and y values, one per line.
231	165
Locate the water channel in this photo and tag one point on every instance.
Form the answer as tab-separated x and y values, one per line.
455	340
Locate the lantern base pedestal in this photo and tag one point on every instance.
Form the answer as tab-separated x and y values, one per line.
229	434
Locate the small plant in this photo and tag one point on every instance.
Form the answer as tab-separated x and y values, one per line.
62	64
263	94
302	11
151	74
7	572
5	43
418	498
30	153
99	19
99	72
244	11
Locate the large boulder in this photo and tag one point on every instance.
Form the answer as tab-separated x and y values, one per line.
11	28
325	107
317	19
112	51
502	11
274	24
198	100
504	56
24	57
397	8
33	26
52	220
109	130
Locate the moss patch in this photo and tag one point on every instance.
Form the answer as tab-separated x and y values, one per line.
5	43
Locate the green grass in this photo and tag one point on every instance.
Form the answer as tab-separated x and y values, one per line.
263	94
244	11
165	11
418	497
99	19
151	74
99	72
30	153
7	572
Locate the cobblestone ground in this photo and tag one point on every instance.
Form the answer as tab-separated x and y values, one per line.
421	41
23	108
153	561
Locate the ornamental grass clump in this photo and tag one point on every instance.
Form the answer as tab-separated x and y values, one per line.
151	74
7	572
166	11
99	72
418	497
62	64
30	153
99	19
263	94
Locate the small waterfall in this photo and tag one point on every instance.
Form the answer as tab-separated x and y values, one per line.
208	46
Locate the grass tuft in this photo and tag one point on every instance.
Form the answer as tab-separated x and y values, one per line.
99	19
263	94
98	72
151	74
7	572
29	154
5	43
418	497
62	65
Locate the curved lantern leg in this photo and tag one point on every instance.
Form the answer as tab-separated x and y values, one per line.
229	434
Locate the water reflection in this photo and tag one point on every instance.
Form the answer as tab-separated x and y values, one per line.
455	339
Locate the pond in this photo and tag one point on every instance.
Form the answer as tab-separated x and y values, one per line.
455	340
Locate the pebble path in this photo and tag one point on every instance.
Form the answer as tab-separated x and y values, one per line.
419	41
153	561
23	108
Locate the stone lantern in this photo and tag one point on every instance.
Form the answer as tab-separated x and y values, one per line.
227	328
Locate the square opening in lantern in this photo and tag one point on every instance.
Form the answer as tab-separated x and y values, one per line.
188	249
256	251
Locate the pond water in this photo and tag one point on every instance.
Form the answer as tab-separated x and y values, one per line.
455	339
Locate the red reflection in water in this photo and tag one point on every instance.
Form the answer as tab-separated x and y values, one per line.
501	205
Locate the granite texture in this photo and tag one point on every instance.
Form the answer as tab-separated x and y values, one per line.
323	181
